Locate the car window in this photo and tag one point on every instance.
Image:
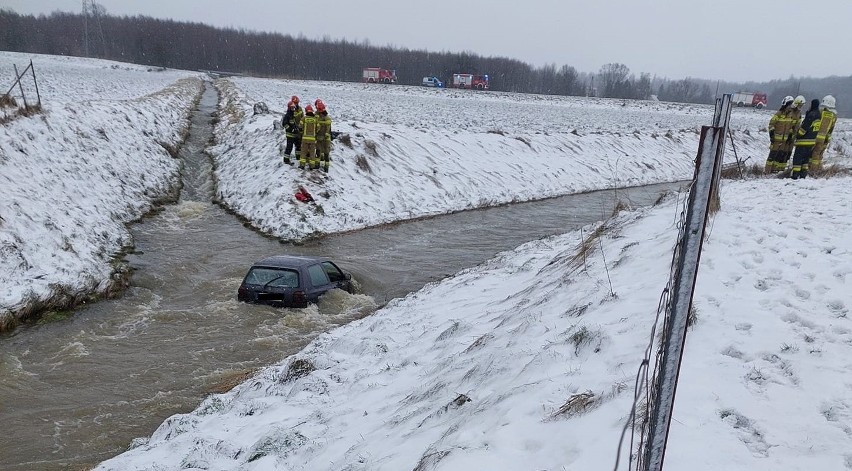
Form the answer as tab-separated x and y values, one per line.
273	277
318	276
334	273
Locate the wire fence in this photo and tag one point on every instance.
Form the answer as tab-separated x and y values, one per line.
653	401
15	102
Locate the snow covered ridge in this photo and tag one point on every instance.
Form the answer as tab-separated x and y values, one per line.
527	362
72	177
74	79
409	155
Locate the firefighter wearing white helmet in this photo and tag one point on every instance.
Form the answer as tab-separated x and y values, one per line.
782	128
827	120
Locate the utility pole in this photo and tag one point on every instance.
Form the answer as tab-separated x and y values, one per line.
85	30
92	8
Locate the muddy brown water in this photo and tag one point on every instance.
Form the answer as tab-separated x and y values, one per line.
75	392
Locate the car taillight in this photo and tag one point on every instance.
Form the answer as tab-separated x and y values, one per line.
298	297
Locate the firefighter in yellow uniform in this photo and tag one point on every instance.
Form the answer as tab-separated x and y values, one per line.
309	139
782	130
323	135
827	120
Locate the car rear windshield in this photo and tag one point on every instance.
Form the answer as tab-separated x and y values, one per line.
273	277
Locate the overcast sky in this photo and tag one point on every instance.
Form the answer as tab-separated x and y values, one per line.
735	40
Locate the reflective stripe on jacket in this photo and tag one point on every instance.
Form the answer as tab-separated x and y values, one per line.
309	128
783	124
808	130
827	121
293	122
324	127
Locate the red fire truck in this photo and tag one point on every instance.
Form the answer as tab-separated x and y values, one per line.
479	82
377	75
755	100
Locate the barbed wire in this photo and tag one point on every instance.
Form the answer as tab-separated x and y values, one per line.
643	381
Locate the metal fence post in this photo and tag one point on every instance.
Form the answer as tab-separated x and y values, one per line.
705	186
20	86
38	95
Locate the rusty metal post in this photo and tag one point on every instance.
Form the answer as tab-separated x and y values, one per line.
721	119
707	166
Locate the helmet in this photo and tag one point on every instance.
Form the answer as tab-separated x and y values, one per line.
294	99
320	106
291	106
798	101
828	102
787	100
318	102
309	109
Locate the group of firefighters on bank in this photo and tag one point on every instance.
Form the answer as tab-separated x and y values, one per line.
808	136
308	133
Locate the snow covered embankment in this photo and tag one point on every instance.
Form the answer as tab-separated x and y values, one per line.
527	362
384	173
70	180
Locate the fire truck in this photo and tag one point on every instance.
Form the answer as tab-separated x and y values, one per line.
754	100
479	82
377	75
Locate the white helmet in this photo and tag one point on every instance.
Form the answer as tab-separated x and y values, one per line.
799	101
828	102
787	100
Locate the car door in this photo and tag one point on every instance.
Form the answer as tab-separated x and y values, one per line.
337	276
320	282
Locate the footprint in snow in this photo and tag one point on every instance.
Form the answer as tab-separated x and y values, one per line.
837	307
743	327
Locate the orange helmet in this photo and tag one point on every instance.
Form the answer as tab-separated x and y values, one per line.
291	106
309	109
294	99
318	102
320	106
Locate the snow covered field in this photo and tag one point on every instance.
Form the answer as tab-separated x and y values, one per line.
478	371
416	151
73	176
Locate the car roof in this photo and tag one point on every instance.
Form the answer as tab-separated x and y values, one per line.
288	261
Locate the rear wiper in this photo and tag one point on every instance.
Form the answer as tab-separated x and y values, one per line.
270	281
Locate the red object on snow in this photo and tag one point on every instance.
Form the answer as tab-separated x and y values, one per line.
303	195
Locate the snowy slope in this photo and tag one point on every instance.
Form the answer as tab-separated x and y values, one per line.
480	371
73	176
417	151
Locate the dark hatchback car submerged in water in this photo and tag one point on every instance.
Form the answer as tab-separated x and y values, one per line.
292	281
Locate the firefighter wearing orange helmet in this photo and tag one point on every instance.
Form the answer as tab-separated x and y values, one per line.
323	135
292	123
309	139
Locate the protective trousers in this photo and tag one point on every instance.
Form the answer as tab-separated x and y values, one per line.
291	143
801	157
324	151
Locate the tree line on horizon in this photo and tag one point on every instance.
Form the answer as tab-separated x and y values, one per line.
196	46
